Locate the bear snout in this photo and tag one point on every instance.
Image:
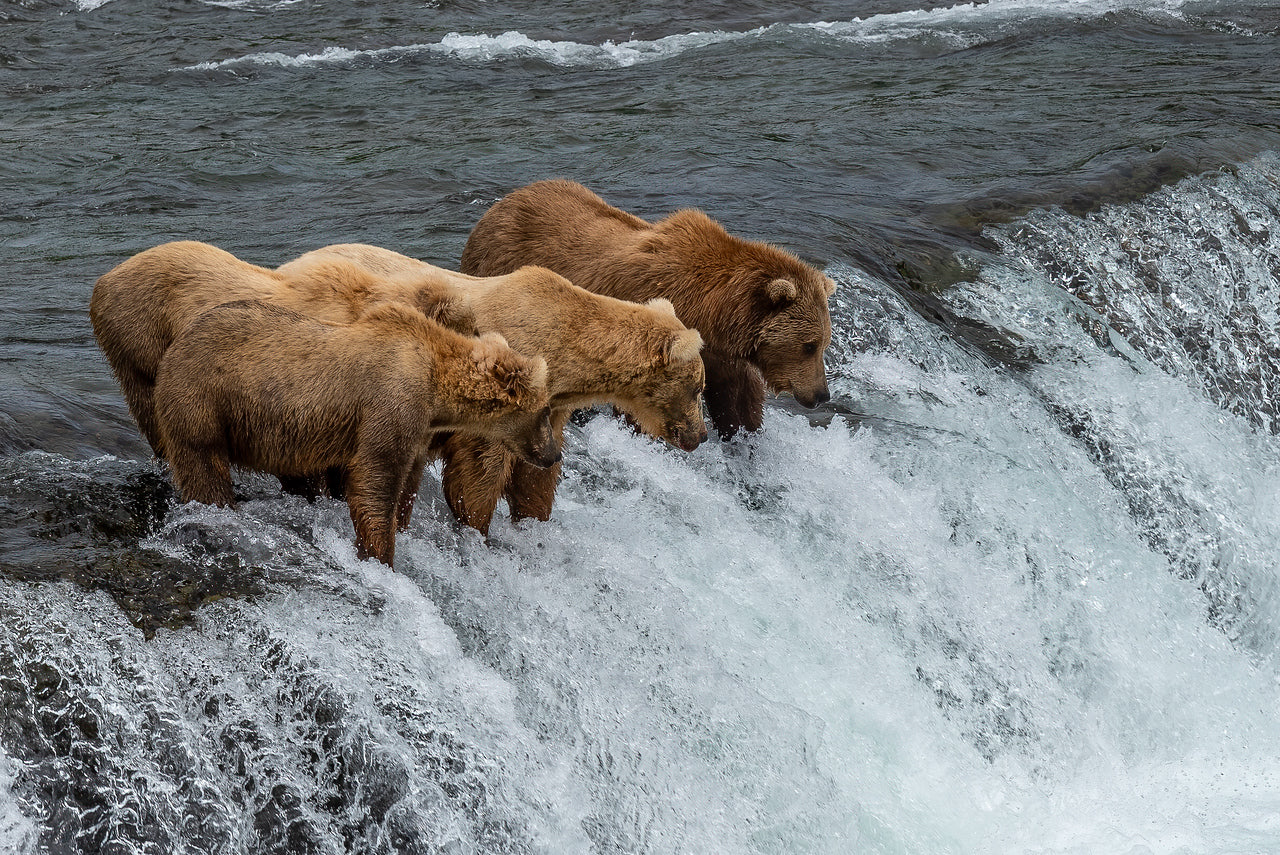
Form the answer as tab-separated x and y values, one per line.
689	438
812	399
549	456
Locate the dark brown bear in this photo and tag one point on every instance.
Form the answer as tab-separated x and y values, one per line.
761	311
259	386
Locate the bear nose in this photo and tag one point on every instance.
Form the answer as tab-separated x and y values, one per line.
687	438
822	396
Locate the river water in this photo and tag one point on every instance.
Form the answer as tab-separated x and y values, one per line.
1015	589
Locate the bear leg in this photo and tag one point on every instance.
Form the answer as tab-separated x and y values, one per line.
372	492
409	493
475	472
734	394
335	481
202	475
139	393
331	482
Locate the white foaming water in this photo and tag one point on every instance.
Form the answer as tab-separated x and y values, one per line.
336	710
252	4
964	25
1181	292
952	633
969	25
487	48
18	832
330	55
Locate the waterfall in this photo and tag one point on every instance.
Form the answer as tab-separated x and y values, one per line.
969	607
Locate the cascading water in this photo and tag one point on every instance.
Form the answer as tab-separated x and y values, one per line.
1182	292
977	608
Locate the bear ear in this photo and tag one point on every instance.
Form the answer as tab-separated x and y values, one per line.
663	305
829	285
781	291
536	377
681	346
519	378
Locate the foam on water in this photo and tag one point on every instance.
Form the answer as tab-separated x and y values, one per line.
90	5
951	633
253	4
336	711
18	832
1174	298
970	24
1176	752
488	48
953	27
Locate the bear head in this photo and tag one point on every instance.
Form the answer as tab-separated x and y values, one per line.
794	332
752	300
510	390
668	402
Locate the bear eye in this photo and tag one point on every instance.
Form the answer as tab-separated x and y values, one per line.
810	348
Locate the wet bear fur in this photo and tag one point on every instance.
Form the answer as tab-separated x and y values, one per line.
638	357
263	387
761	311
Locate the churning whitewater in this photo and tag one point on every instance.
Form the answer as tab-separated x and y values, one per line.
1013	589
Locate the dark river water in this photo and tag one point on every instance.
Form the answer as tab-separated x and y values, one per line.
1014	590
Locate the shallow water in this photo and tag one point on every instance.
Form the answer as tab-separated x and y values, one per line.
1012	590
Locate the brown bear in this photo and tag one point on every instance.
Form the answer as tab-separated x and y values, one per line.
264	387
139	307
638	357
761	311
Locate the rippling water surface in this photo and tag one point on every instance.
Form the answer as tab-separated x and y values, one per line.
1013	590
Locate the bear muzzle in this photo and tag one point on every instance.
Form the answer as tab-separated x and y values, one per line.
813	399
545	457
687	437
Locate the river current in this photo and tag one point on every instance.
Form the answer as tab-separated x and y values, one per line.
1014	589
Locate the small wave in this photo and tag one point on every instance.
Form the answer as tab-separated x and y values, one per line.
328	55
969	25
90	5
621	55
960	26
252	4
487	48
